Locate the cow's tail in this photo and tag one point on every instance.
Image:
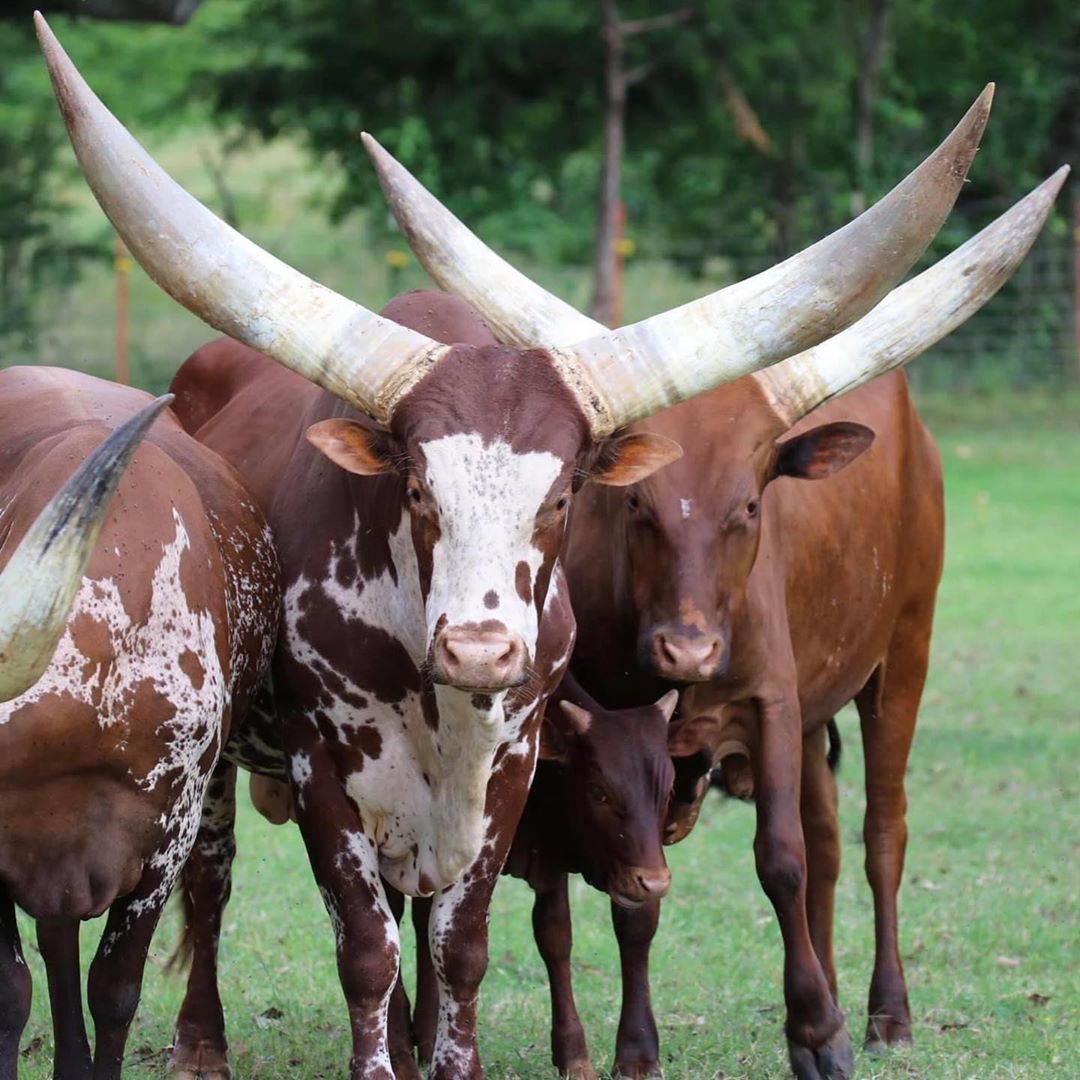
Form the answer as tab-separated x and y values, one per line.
180	960
836	746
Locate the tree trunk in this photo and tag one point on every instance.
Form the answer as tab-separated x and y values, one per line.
604	301
872	56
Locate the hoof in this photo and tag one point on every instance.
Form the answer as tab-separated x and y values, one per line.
202	1061
578	1070
637	1070
833	1060
405	1068
884	1031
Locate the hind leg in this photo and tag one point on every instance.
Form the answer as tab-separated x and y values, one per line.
888	706
15	990
199	1045
58	940
115	982
821	832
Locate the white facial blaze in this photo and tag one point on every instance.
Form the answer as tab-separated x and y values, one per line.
488	498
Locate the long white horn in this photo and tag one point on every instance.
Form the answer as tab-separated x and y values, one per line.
223	278
42	576
623	375
913	316
518	310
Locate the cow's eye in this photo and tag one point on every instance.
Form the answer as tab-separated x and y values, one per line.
596	793
415	495
752	508
563	503
633	501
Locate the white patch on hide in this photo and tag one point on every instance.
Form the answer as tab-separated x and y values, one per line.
488	498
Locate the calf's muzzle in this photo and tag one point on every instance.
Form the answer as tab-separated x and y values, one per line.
634	885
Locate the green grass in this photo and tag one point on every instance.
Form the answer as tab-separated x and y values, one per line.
990	926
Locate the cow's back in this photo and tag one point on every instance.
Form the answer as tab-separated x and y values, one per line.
860	548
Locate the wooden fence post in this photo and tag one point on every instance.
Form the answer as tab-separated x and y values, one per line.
123	270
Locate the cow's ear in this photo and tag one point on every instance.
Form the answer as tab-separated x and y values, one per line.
821	451
627	459
694	735
355	447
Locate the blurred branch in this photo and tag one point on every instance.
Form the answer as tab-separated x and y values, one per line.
177	12
633	27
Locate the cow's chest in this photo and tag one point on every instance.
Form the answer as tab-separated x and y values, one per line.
414	759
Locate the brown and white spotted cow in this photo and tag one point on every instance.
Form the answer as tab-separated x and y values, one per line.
419	505
783	600
105	759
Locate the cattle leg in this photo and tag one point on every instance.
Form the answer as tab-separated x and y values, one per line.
58	940
15	990
199	1045
345	862
115	981
819	1047
458	925
888	707
821	831
637	1044
399	1017
554	939
426	1012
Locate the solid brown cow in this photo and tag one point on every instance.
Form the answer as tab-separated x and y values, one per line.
419	525
598	806
782	599
105	759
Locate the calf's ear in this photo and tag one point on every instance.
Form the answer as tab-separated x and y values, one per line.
355	447
821	451
559	725
668	704
628	459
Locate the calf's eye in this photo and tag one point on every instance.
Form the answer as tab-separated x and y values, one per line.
596	793
752	508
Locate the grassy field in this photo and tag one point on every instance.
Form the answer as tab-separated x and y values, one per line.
991	923
991	930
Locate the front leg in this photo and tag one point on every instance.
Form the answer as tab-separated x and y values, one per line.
458	926
553	934
818	1043
345	862
637	1044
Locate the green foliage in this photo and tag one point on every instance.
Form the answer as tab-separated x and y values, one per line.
498	108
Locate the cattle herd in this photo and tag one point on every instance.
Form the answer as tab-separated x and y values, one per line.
472	586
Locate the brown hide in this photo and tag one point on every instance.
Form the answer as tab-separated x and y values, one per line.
75	825
837	560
